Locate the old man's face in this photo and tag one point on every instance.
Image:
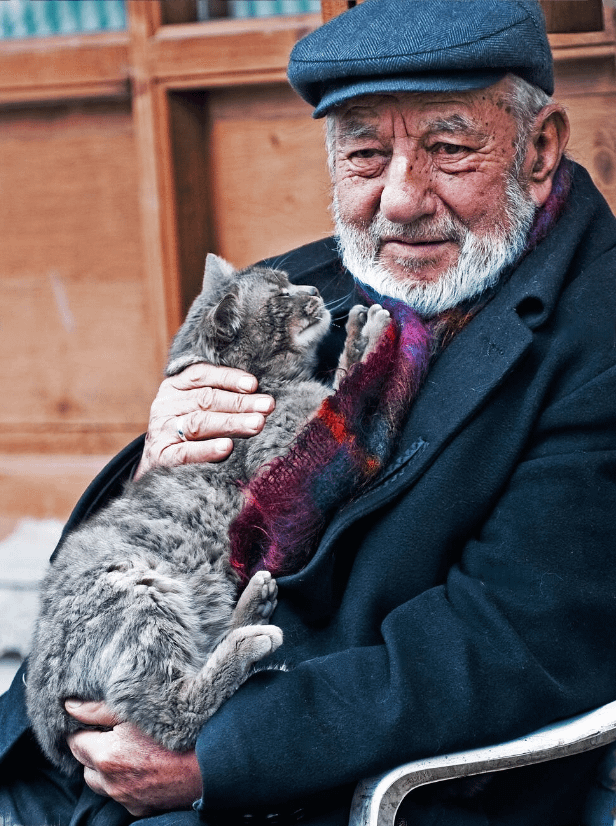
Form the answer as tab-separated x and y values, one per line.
429	204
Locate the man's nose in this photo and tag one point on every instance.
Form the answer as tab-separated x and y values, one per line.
407	195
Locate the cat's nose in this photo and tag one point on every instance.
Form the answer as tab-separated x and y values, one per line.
308	289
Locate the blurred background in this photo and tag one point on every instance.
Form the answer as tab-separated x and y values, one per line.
134	138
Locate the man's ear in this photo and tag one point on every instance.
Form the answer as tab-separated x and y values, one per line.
547	143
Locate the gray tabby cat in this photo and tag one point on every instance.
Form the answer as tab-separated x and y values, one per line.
139	608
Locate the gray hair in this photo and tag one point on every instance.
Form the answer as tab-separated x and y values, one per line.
525	100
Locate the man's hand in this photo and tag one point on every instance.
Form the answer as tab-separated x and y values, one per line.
129	766
208	405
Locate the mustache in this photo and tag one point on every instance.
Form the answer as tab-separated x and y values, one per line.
445	228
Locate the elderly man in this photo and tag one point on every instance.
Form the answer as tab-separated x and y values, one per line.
465	595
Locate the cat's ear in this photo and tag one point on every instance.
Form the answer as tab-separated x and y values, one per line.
217	271
225	318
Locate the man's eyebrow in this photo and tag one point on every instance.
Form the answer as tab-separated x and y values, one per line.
456	124
355	129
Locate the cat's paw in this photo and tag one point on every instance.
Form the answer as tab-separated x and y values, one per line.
258	602
356	322
355	342
377	321
364	329
269	595
257	641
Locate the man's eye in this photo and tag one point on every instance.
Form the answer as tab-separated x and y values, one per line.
364	154
450	148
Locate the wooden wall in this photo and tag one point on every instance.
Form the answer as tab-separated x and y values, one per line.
78	367
124	158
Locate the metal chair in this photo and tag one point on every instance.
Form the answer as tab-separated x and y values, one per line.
377	799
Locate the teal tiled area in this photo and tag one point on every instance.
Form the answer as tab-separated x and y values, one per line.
259	8
46	18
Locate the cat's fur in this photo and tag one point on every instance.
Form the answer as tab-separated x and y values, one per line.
139	607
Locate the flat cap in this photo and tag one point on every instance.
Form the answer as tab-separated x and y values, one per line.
384	46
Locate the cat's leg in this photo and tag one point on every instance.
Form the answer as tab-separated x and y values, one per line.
364	329
258	601
191	702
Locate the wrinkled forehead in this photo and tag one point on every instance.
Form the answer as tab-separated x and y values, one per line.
448	111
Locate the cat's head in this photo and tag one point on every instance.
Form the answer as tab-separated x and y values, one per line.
254	319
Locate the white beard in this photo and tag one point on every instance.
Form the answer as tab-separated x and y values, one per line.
480	263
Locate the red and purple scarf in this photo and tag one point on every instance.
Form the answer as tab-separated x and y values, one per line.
351	437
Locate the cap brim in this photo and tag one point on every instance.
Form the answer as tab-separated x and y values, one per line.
348	88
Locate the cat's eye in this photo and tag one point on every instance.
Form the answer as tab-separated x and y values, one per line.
283	291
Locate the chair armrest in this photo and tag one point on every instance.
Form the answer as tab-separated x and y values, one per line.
376	799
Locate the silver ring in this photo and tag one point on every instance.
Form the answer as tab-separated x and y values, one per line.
181	434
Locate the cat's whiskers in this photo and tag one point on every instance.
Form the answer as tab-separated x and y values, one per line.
279	262
340	302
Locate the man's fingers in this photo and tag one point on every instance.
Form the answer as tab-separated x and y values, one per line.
209	398
130	767
93	779
202	404
81	750
206	375
200	425
94	713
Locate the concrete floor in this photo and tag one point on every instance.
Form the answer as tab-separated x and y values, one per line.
37	494
24	555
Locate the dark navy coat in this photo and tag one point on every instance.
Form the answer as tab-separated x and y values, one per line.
468	596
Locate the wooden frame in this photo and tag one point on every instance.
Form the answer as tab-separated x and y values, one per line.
59	68
172	58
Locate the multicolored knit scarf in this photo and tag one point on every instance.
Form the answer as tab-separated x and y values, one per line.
350	439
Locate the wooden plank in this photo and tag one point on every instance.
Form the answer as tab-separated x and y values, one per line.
265	136
44	486
61	67
593	139
75	330
573	15
53	437
584	75
332	8
156	196
223	49
188	119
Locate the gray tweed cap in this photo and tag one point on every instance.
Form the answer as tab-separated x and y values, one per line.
421	46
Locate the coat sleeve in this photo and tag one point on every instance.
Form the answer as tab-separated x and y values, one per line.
519	633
